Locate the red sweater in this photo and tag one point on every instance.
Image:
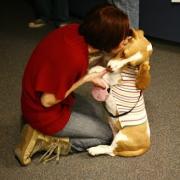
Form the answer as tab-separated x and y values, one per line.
58	61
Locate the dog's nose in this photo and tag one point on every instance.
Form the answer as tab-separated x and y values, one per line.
108	90
109	69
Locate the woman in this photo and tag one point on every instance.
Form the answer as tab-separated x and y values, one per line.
58	66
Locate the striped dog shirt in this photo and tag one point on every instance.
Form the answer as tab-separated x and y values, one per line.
126	96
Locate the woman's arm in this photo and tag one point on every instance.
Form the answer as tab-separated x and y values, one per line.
49	99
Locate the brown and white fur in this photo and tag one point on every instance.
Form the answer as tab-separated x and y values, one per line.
128	140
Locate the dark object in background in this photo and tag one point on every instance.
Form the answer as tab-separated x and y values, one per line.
160	19
79	8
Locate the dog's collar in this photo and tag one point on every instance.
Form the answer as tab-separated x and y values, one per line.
119	115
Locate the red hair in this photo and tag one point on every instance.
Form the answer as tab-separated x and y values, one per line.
105	27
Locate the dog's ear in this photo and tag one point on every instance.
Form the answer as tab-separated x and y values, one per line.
137	33
143	77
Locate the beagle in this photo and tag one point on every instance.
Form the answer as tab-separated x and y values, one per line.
124	101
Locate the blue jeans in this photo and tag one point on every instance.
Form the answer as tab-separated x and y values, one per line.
86	127
131	8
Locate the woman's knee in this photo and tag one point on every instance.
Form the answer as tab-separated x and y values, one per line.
107	137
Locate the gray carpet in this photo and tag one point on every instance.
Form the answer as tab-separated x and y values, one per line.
161	162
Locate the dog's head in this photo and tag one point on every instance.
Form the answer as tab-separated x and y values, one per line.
136	52
138	44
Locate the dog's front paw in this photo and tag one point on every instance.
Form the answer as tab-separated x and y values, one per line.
92	151
114	65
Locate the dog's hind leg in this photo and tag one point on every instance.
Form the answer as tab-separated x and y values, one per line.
104	149
101	149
